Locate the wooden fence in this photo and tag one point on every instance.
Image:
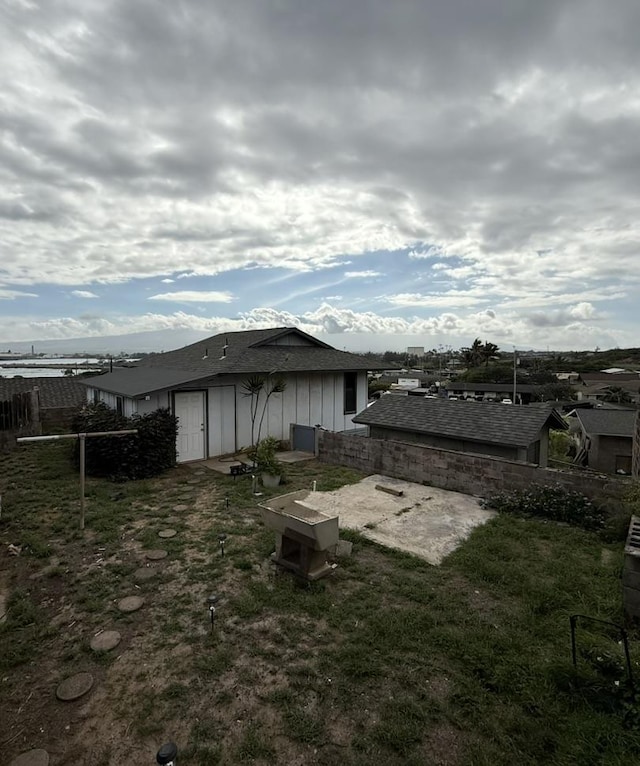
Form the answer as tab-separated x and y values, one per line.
19	416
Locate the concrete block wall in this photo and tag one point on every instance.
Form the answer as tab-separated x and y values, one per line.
478	475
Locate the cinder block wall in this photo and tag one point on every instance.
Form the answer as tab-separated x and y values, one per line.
479	475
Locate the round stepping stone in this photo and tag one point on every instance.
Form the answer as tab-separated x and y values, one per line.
166	533
156	555
105	641
74	687
145	573
32	758
130	603
181	507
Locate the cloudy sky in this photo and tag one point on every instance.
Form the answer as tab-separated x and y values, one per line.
390	173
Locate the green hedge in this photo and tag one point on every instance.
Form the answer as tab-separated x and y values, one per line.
550	502
137	456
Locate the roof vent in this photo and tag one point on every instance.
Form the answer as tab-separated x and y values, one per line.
206	353
225	347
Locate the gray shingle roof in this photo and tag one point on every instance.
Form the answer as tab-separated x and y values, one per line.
138	381
483	422
607	422
54	392
523	388
253	351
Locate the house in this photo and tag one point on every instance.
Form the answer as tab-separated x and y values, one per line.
605	439
489	392
515	433
203	386
59	398
613	388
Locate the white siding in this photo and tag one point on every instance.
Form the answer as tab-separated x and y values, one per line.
222	420
291	340
309	399
302	415
328	418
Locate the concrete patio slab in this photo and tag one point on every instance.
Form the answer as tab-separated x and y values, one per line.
223	465
426	521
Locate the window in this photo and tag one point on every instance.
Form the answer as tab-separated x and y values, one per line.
119	405
350	392
96	396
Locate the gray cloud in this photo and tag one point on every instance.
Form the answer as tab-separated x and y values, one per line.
211	135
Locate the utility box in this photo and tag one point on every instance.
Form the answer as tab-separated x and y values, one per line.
631	571
304	536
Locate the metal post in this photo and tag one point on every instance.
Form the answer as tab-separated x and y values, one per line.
83	440
514	374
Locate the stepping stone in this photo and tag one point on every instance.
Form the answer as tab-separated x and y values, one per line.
130	603
74	687
145	573
194	481
181	507
32	758
105	641
156	555
166	533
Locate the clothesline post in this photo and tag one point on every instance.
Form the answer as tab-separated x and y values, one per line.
82	437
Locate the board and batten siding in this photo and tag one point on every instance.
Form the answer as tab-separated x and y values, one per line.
311	399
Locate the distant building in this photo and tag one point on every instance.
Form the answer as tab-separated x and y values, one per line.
415	350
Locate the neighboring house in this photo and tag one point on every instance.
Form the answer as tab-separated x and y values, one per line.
515	433
605	439
60	398
203	386
489	392
611	389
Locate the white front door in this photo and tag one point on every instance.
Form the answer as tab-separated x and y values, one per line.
189	409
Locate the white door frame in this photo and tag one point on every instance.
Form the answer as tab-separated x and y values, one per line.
197	444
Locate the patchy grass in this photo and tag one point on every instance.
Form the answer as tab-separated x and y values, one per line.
389	661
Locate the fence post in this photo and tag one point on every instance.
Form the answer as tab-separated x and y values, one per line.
35	409
82	438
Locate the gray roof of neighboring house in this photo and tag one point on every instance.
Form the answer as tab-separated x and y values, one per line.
54	392
483	422
138	381
605	422
609	378
524	388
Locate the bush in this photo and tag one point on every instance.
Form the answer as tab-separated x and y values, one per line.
550	502
136	456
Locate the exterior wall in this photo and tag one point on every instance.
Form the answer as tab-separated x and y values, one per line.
131	406
479	475
309	399
291	340
604	450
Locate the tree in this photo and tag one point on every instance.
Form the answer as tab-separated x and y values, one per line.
489	352
617	394
254	387
558	390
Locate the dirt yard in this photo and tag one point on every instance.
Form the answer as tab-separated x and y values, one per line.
389	661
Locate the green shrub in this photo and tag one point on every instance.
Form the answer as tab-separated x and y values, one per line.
550	502
136	456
